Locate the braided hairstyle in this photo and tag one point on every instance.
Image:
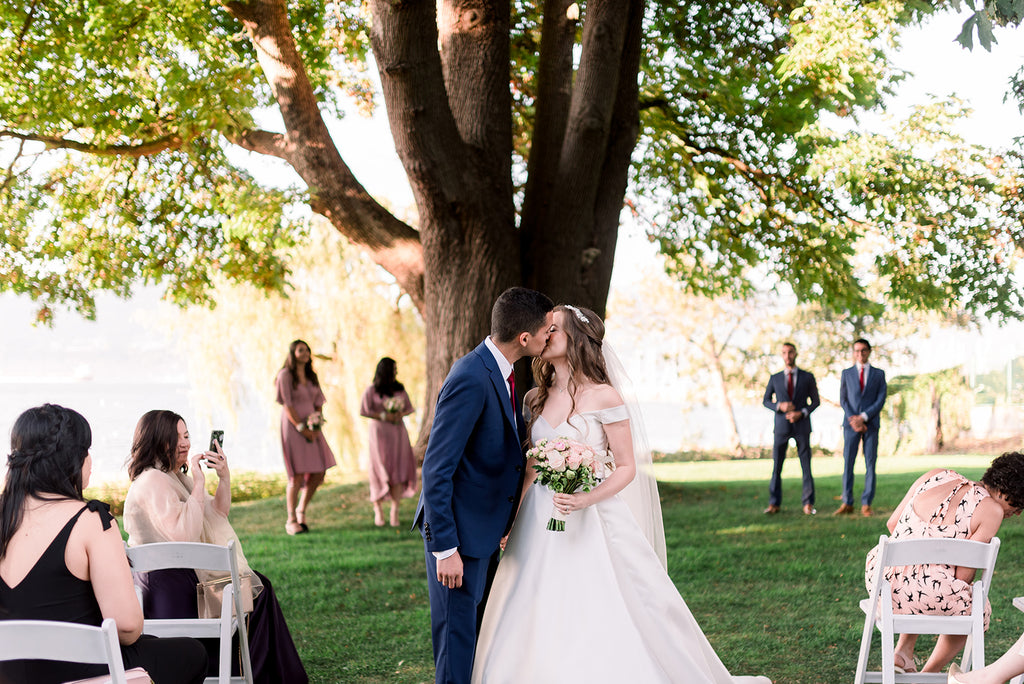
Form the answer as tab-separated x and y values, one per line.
293	365
49	445
584	332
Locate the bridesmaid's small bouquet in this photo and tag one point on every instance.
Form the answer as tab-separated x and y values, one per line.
393	405
564	466
315	421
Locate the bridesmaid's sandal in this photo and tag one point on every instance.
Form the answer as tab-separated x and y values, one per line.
300	518
903	665
293	528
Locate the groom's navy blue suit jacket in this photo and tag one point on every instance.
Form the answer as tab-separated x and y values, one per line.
473	467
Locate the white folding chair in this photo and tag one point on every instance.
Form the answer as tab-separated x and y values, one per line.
189	555
64	641
878	611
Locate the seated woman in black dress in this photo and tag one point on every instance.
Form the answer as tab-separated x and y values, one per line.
63	559
168	501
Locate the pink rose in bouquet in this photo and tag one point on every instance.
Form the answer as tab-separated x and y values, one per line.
565	466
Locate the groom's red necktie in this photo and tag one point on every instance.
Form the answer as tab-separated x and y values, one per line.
789	384
862	378
512	390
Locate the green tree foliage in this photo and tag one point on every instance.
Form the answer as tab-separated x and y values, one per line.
517	125
757	177
985	16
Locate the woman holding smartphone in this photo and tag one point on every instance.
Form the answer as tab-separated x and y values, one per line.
168	501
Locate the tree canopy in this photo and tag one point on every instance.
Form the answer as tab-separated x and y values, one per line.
523	130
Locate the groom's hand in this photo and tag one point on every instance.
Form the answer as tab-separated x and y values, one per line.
449	571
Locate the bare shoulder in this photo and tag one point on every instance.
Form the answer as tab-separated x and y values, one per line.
600	397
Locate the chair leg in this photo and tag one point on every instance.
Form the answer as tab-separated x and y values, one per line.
865	649
888	637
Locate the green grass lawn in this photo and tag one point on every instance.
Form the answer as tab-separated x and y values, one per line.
775	595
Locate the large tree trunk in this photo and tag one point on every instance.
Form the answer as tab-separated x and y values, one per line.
444	69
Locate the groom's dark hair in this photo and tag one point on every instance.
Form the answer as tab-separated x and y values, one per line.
518	310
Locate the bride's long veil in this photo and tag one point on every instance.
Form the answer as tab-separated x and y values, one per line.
642	493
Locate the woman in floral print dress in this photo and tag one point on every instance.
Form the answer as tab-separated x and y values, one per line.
944	503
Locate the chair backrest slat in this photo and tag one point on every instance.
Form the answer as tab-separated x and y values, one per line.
959	552
164	555
63	641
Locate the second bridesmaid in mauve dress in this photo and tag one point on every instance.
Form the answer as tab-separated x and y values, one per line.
392	464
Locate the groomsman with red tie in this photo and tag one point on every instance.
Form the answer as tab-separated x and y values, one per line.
792	395
862	392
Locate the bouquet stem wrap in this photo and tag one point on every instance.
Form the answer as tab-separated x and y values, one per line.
557	521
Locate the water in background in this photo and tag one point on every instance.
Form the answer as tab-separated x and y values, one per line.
114	371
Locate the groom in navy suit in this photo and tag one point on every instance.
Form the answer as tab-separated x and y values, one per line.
862	391
472	474
792	394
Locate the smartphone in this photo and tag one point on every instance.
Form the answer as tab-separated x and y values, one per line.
216	438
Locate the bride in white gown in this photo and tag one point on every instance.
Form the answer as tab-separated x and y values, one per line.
593	603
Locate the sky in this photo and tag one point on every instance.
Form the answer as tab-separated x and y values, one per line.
124	363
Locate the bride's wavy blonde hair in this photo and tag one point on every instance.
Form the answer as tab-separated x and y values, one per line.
584	332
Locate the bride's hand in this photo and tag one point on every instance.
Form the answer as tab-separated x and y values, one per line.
567	503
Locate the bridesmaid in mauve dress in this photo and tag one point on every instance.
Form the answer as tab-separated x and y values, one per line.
306	453
392	465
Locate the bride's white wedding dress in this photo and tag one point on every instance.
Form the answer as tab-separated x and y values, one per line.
593	603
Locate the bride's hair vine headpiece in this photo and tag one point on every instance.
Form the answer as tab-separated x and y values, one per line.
579	314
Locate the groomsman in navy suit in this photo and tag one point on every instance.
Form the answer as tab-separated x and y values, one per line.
792	395
862	391
472	474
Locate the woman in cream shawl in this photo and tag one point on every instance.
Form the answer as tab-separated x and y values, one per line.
167	503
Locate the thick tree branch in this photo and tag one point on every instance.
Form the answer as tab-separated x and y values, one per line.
554	76
624	129
474	45
264	142
308	147
404	40
142	149
568	228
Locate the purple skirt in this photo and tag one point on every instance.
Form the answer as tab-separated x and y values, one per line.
168	594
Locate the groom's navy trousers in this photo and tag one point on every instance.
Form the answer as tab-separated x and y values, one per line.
472	473
456	614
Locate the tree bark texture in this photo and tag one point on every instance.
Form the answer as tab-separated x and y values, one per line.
445	76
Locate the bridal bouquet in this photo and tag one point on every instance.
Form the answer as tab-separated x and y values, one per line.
393	405
564	466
